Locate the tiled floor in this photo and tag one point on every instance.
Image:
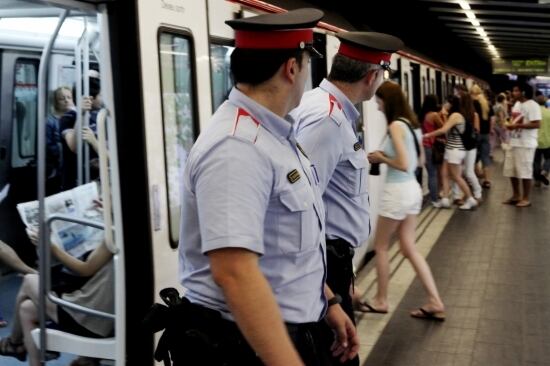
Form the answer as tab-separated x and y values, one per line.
492	267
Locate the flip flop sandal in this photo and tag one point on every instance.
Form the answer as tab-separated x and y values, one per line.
10	349
523	204
429	315
365	307
511	201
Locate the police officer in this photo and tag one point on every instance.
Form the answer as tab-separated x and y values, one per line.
326	128
252	245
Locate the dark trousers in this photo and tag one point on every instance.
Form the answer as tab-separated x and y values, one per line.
200	336
538	166
340	279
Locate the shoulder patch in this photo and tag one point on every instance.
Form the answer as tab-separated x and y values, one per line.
335	109
357	146
246	126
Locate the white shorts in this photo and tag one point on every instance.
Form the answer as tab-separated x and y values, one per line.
518	162
400	199
454	156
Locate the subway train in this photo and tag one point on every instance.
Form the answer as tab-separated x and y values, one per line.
164	68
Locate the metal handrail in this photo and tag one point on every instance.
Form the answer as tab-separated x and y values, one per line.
105	179
78	122
55	299
41	176
86	74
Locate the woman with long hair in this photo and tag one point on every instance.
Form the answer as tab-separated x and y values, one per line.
483	109
461	112
401	201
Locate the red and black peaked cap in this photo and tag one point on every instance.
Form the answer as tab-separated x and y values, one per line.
290	30
371	47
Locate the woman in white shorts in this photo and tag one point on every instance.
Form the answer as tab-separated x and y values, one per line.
401	201
461	111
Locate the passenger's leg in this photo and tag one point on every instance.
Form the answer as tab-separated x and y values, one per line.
28	316
9	257
455	171
407	231
29	291
526	183
384	230
432	175
537	166
469	172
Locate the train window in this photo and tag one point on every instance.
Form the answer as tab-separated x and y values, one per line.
178	115
25	107
432	87
221	73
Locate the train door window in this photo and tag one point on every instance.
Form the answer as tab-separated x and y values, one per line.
221	73
178	114
25	91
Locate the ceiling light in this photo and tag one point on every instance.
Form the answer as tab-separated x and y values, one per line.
470	14
475	22
492	48
481	31
464	4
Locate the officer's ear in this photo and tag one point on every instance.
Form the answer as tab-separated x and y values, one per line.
371	77
291	68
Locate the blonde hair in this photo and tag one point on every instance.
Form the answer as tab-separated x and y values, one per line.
56	93
477	94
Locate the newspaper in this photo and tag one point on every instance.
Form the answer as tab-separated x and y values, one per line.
78	202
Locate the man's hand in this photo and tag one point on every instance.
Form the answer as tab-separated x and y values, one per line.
89	136
86	104
346	344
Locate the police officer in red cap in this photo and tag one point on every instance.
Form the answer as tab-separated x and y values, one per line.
326	128
252	247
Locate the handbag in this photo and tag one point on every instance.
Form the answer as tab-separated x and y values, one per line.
418	171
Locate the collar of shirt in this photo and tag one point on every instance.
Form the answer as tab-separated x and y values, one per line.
279	127
349	109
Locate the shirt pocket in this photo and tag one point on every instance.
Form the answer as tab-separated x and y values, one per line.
298	223
355	174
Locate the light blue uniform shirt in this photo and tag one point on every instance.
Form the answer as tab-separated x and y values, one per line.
325	127
246	185
396	175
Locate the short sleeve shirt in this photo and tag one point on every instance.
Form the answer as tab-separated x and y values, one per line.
530	111
247	185
325	127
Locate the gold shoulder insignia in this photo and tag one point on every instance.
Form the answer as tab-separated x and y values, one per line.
293	176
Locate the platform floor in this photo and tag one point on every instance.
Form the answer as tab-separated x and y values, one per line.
492	267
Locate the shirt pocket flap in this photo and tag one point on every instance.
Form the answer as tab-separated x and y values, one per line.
358	162
297	200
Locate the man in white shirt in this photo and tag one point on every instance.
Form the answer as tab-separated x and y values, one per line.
518	164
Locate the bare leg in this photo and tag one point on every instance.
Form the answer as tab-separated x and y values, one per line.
526	183
9	257
515	188
29	291
384	230
445	179
408	249
456	174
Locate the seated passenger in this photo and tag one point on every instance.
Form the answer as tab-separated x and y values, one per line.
62	103
97	293
93	103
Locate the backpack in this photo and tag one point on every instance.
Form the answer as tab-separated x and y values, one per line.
469	136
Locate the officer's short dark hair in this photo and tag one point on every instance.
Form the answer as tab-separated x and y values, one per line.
348	70
253	66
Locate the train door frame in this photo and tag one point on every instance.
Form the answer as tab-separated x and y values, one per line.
416	86
438	87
